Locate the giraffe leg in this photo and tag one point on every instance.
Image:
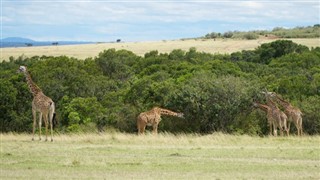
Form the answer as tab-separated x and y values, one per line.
155	129
40	123
275	130
51	128
141	126
300	125
281	131
286	128
270	129
289	123
51	116
142	129
46	125
283	127
297	127
34	114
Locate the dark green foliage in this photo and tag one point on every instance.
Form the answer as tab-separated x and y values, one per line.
297	32
311	117
81	111
215	92
267	52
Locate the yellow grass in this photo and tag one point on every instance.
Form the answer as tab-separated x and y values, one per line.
140	48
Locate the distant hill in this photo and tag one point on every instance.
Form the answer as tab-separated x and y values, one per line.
17	40
24	42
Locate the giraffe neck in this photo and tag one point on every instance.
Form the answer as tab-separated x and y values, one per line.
168	112
283	103
162	111
263	107
32	86
271	104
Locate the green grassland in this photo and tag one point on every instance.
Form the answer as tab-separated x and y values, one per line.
165	156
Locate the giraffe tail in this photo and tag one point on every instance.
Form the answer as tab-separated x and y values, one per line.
54	119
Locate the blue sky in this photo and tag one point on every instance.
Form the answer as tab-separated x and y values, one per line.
104	21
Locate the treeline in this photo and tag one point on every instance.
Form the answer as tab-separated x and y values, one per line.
280	32
214	91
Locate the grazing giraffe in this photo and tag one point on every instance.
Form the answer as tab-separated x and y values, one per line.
282	121
40	103
153	118
294	114
272	117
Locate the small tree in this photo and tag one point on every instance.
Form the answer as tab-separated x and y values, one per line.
228	34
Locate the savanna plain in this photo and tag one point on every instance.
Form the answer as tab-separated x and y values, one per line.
140	48
114	155
163	156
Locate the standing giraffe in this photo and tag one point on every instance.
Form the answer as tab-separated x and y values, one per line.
282	122
273	119
153	118
294	114
40	103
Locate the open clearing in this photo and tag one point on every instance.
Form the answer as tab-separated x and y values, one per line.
166	156
140	48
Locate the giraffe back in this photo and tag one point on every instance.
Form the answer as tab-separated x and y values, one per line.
149	117
42	102
154	115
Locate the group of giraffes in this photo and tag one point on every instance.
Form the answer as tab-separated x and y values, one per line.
44	105
276	118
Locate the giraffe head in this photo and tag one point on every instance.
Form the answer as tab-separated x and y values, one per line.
22	69
269	94
180	115
255	104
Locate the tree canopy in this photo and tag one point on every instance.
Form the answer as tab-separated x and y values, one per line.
214	91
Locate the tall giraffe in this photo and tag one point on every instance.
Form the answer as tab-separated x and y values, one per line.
294	114
40	103
279	116
153	118
272	121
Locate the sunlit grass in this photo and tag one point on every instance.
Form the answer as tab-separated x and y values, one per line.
163	156
140	48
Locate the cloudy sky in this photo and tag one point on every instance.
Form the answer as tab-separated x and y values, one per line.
142	20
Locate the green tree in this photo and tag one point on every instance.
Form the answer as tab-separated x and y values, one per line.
82	111
311	117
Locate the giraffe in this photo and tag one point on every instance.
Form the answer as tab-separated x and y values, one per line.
153	118
40	103
280	117
272	122
294	114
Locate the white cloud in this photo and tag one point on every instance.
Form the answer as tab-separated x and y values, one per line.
111	17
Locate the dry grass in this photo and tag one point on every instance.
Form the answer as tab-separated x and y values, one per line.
166	156
140	48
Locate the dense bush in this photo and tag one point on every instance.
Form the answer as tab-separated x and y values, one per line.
215	92
297	32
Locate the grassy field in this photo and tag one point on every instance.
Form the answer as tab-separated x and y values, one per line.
140	48
166	156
